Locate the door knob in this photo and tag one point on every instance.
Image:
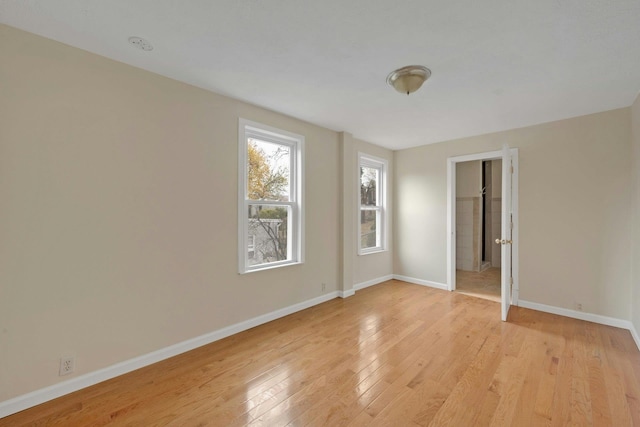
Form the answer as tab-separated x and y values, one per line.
498	241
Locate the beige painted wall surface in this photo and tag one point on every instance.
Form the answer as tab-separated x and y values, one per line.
376	265
575	178
635	275
496	179
468	179
496	212
468	214
118	233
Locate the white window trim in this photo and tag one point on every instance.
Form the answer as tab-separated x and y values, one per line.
248	129
383	165
251	243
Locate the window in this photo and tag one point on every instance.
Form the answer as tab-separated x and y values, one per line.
270	205
372	202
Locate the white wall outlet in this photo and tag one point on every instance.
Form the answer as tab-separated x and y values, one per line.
67	365
324	286
579	306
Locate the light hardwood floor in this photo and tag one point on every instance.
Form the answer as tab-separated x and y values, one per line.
395	354
479	284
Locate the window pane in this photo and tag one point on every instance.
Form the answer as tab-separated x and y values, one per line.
268	229
368	229
368	186
268	170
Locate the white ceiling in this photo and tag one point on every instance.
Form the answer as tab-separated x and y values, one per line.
497	64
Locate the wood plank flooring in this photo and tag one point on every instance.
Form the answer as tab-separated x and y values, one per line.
480	284
395	354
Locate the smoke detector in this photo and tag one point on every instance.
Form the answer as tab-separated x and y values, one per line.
140	43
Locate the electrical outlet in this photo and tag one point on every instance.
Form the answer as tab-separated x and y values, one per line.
579	306
67	365
324	286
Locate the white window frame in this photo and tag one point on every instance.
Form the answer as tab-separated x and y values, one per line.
366	160
251	243
295	245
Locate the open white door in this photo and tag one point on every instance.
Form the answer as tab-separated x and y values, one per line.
506	241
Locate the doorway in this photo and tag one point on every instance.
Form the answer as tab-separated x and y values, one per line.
506	230
478	225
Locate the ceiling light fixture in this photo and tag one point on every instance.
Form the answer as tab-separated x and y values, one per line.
408	79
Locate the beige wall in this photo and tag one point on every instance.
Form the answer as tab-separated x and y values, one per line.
468	179
468	215
360	269
118	233
496	212
575	209
635	278
496	179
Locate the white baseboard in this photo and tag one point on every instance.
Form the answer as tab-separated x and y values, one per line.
347	294
362	285
421	282
581	315
37	397
372	282
634	334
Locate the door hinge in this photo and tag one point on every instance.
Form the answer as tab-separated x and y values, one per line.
511	279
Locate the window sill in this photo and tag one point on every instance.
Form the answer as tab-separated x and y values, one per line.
373	251
271	267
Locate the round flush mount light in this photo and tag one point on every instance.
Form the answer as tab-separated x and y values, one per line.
140	43
408	79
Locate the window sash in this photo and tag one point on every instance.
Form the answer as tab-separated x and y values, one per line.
378	231
291	248
293	164
378	170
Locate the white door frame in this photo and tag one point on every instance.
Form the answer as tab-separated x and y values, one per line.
451	217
